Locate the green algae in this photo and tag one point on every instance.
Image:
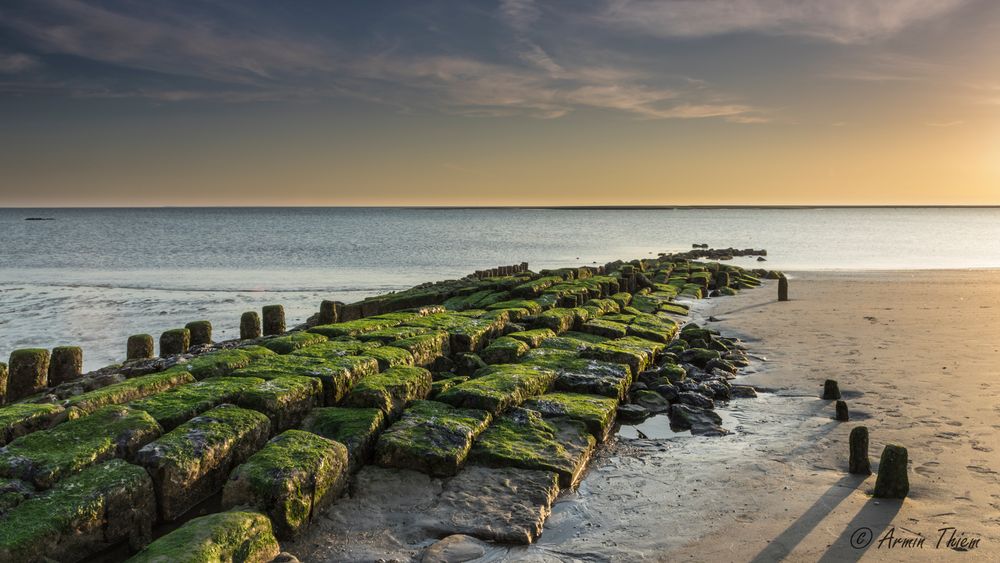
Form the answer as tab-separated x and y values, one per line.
291	342
221	362
431	437
535	287
364	325
82	515
596	412
637	353
175	341
582	375
558	320
442	385
235	536
192	462
533	307
390	357
285	400
338	374
129	390
504	350
357	429
425	348
495	388
387	335
391	390
333	349
46	456
605	328
533	338
173	407
24	418
291	479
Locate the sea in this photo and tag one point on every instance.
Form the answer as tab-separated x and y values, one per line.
92	277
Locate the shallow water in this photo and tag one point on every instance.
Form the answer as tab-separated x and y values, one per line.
94	276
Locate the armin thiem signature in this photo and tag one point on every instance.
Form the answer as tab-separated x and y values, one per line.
947	538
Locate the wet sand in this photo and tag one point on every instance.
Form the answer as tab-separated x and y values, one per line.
916	355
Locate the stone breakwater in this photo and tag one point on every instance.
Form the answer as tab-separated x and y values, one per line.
504	381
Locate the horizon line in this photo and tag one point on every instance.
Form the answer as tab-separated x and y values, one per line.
529	207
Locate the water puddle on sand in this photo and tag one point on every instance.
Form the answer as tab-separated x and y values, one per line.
657	427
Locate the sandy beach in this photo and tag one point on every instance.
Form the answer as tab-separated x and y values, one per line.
916	355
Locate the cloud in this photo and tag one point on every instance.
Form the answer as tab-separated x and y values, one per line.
839	21
13	63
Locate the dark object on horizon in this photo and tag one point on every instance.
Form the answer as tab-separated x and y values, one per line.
842	414
699	245
28	373
761	259
249	325
831	391
274	319
39	218
329	312
175	341
892	481
859	464
139	347
201	332
782	288
66	364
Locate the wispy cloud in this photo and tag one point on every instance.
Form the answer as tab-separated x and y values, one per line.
839	21
13	63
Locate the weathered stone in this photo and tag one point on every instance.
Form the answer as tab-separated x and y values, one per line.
524	440
273	319
390	357
605	328
842	414
557	320
533	338
46	456
595	411
581	375
504	350
892	480
431	437
28	373
175	341
468	364
234	536
250	325
495	388
858	462
24	418
743	392
442	385
338	374
291	342
334	349
456	548
831	391
695	399
782	288
329	312
425	348
651	401
496	504
139	347
391	390
285	400
85	514
128	390
192	462
222	363
357	327
292	479
696	419
65	365
357	429
632	413
4	373
634	352
180	404
201	332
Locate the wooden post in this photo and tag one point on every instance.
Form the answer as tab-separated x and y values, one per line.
139	347
29	372
782	288
274	319
842	414
201	332
831	391
175	341
66	364
859	464
892	481
249	325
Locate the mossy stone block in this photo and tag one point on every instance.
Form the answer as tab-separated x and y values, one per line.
388	335
605	328
391	390
533	307
558	320
128	390
425	348
504	350
234	536
495	388
338	374
180	404
4	374
222	362
46	456
285	400
333	349
390	357
28	372
201	332
192	462
250	325
273	319
358	327
523	439
12	493
81	516
582	375
533	338
442	385
175	341
357	429
24	418
66	364
292	479
431	437
139	347
292	342
595	411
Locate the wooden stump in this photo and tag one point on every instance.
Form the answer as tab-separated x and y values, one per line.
139	347
831	391
892	481
29	372
66	364
329	312
201	332
859	464
175	341
249	325
842	414
782	288
274	319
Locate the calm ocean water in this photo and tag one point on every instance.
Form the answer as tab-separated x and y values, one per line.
93	276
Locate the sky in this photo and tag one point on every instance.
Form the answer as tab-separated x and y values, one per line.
509	102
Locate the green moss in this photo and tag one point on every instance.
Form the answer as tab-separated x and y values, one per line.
533	307
391	390
504	350
673	308
336	349
425	348
362	326
533	338
246	537
582	375
558	320
390	357
175	341
387	335
191	462
622	299
442	385
128	390
222	362
285	400
82	515
605	306
338	374
46	456
291	479
357	429
431	437
461	302
292	342
179	404
635	352
605	328
595	411
535	287
23	418
495	388
523	439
